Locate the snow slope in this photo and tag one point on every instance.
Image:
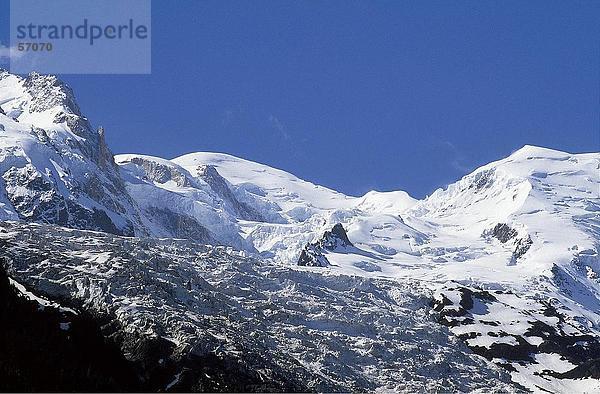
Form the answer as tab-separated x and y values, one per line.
55	168
301	210
288	330
525	227
509	254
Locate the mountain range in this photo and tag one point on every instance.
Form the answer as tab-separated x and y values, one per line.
208	272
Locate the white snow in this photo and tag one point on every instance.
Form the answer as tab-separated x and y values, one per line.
547	198
44	303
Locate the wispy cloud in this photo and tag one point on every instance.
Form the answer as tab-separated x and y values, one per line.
458	160
279	126
453	155
227	117
232	115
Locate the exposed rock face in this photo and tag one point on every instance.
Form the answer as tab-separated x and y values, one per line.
187	317
161	173
106	159
313	254
516	337
505	234
334	239
182	226
48	93
312	257
220	186
55	167
36	197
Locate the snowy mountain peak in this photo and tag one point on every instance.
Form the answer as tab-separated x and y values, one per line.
46	103
55	167
47	92
532	151
511	250
37	99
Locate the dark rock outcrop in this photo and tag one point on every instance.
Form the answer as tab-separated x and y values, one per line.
220	186
161	173
335	238
313	254
472	312
504	233
50	349
46	349
312	257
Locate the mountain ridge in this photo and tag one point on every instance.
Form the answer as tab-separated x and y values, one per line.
508	255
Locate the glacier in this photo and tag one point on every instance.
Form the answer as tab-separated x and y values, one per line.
491	283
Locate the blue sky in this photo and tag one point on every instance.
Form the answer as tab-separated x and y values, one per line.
357	95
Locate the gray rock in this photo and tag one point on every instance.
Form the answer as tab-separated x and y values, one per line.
221	187
313	254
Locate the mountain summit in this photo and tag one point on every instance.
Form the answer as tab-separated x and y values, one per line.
506	259
55	167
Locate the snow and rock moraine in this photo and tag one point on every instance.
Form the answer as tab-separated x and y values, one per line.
507	255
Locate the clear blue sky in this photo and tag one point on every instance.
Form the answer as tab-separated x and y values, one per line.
358	95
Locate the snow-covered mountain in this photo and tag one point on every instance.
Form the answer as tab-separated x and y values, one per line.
55	167
342	291
223	322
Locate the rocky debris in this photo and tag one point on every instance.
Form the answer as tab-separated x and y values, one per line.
36	197
161	173
181	226
221	187
313	253
197	318
501	332
505	234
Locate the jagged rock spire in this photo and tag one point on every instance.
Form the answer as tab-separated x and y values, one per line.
313	254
